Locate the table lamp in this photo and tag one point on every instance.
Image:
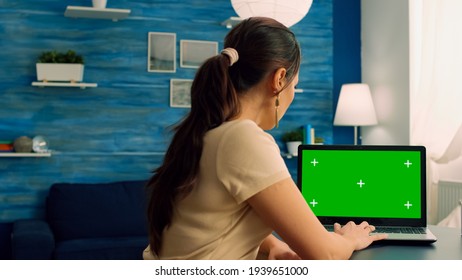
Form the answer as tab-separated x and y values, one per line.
355	107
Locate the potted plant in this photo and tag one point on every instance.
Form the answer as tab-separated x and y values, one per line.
293	139
60	66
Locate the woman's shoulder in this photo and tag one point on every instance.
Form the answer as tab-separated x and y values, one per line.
246	131
238	133
241	126
241	129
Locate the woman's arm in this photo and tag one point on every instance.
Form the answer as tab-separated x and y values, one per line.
283	208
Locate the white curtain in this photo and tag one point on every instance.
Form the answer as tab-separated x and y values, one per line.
436	85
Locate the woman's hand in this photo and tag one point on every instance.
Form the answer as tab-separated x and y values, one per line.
359	235
282	251
275	249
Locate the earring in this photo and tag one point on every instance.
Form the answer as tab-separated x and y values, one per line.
277	107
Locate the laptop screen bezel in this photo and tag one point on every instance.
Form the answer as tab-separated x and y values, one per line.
327	220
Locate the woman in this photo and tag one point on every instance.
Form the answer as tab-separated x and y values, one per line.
223	186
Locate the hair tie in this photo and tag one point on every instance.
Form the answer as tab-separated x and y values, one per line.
231	54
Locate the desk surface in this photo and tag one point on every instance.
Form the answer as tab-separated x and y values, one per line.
447	247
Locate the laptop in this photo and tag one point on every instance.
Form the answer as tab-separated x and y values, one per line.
383	185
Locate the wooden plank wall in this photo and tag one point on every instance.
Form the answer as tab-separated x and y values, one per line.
117	131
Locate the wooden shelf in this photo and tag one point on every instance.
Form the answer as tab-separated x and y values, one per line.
25	154
59	84
100	154
101	13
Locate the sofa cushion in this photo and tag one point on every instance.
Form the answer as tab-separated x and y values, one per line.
32	239
122	248
77	211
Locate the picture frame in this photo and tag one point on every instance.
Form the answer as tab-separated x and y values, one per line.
194	52
180	93
161	52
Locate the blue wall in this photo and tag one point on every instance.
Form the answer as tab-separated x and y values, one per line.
347	56
119	130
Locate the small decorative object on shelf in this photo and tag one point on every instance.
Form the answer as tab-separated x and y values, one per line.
308	134
293	139
230	22
40	144
23	144
100	4
319	141
6	146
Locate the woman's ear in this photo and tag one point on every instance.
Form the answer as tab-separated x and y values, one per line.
279	79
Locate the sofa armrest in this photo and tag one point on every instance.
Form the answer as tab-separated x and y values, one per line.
32	240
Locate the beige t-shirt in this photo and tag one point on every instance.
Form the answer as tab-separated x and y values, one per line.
214	221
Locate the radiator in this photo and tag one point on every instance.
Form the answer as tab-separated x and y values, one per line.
449	194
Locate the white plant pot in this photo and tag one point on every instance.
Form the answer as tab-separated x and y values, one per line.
292	147
100	4
60	72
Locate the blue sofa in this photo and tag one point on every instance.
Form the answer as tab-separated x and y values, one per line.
86	222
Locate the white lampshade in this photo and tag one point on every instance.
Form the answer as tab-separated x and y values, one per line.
355	107
287	12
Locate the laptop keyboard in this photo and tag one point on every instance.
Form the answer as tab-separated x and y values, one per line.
408	230
405	230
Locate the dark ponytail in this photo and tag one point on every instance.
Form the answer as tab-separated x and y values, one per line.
263	45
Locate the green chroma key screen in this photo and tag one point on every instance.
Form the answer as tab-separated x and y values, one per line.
362	183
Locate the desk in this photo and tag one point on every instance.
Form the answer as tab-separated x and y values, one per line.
447	247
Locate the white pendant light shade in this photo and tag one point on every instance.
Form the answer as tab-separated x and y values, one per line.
287	12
